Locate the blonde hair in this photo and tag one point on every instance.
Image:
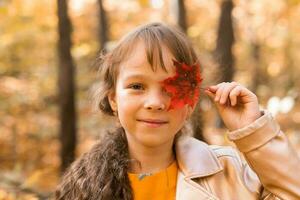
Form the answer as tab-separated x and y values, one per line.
154	36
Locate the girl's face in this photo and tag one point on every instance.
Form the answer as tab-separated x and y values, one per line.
142	104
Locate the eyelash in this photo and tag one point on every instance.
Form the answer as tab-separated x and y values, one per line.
133	86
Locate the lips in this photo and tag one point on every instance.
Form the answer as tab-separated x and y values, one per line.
153	121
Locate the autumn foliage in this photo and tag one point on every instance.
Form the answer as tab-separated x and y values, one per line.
184	86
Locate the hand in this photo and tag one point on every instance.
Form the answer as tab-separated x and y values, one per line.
237	106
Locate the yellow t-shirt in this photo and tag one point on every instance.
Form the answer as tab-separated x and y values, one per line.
157	186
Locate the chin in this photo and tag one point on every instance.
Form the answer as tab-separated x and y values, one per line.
155	141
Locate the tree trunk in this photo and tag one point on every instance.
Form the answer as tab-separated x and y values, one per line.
103	27
255	51
66	87
223	52
181	15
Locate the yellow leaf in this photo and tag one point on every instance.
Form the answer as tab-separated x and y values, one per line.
144	3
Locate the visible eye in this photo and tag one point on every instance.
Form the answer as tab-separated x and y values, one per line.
136	86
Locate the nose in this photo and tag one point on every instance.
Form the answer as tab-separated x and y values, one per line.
157	101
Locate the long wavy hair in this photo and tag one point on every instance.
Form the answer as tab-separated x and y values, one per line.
101	173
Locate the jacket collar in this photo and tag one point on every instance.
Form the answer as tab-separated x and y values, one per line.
195	158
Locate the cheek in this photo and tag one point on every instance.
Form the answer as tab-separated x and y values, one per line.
181	114
125	103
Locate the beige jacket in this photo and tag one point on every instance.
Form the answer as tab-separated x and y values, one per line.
214	172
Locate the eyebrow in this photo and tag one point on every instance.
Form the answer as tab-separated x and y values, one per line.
135	76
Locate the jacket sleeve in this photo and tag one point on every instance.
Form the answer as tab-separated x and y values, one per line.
269	153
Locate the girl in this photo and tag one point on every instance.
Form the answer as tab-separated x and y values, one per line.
150	82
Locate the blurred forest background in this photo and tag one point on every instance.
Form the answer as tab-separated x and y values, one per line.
47	71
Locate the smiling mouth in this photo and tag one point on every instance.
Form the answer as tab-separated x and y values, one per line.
154	123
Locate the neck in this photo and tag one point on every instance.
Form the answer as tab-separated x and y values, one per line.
150	159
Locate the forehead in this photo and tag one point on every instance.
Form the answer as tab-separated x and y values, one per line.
137	60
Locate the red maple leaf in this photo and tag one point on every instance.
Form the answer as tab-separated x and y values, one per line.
184	86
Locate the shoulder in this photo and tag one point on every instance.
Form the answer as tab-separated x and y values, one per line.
196	158
189	148
228	153
231	158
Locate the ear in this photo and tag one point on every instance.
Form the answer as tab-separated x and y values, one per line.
112	100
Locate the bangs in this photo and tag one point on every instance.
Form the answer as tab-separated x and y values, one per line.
153	47
155	38
158	37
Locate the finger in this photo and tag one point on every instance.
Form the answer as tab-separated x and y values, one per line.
213	88
225	93
234	93
210	94
243	95
219	92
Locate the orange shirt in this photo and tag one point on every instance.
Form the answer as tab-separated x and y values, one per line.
157	186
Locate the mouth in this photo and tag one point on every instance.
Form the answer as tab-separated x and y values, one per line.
153	122
157	121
